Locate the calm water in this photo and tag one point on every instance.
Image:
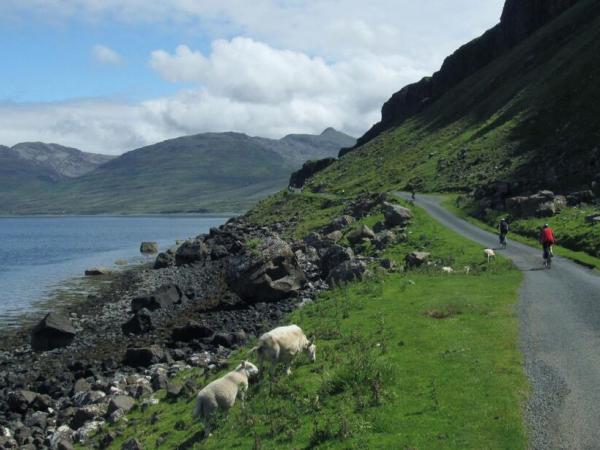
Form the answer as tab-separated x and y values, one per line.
38	254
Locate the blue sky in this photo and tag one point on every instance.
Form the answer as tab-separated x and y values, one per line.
112	75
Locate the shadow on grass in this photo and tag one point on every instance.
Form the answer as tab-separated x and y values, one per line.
193	439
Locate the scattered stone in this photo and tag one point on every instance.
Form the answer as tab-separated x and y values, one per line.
140	323
123	402
334	236
190	252
145	357
97	271
387	264
416	259
346	272
542	204
190	331
132	444
174	390
149	247
230	340
164	297
384	239
334	256
19	401
163	260
396	215
360	235
53	331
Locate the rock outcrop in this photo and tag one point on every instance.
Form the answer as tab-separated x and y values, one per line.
542	204
520	19
270	273
298	178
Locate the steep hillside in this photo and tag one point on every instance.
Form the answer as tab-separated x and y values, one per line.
529	116
205	172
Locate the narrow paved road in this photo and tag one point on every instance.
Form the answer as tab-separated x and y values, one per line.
559	312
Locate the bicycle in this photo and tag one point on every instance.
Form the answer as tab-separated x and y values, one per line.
548	255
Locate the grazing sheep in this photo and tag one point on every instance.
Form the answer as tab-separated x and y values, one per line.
221	393
467	269
489	254
281	345
447	270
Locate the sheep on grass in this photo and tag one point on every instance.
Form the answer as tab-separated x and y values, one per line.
489	254
222	393
281	344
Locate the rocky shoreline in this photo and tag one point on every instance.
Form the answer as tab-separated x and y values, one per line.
201	300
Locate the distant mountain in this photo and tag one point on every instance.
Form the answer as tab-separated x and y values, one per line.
64	161
35	164
206	172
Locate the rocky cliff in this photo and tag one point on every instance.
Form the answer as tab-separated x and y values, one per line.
520	18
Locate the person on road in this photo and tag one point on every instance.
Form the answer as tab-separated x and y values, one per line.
503	231
547	240
413	195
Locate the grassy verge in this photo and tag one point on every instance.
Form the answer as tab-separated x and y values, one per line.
569	226
405	360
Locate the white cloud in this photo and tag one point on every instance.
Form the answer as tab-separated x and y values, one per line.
274	67
106	55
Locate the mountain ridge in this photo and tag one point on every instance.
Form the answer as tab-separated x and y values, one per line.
206	172
519	19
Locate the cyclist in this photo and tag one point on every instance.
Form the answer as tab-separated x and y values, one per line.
547	240
503	231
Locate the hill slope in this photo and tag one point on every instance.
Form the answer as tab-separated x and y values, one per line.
528	116
205	172
36	163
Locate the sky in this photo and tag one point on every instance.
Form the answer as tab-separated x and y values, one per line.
109	76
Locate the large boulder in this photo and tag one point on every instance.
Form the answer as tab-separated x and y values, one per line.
164	297
334	256
53	331
145	356
383	239
268	273
396	215
360	235
190	252
542	204
346	272
149	247
364	204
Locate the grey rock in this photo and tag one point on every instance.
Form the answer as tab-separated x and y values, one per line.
346	272
361	234
53	331
123	402
164	297
149	247
416	259
396	215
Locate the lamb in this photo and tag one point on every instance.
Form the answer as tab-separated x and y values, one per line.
489	254
221	393
281	345
447	270
467	269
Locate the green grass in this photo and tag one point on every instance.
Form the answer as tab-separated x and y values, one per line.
405	360
571	230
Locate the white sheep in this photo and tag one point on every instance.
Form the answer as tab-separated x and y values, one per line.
281	345
489	254
467	269
221	393
447	270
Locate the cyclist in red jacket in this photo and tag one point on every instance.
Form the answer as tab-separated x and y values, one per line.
547	240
